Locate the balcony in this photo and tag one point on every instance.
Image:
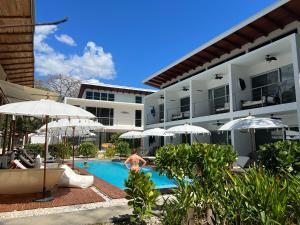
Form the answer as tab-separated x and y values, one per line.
266	95
213	106
178	113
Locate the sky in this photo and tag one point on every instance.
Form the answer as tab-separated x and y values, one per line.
125	41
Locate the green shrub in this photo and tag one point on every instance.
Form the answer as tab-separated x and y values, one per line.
36	149
87	149
141	194
258	197
204	166
110	152
282	156
60	150
122	147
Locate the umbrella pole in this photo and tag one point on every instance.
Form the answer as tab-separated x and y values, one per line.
73	148
45	163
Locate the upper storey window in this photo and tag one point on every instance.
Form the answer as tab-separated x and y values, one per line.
138	99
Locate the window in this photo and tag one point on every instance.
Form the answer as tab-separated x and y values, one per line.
138	99
287	86
105	116
138	118
161	112
218	97
89	95
185	104
111	97
265	85
104	96
92	110
97	95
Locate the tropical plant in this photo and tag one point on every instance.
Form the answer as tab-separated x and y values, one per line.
110	152
122	147
258	197
204	167
282	156
87	149
60	150
141	194
36	149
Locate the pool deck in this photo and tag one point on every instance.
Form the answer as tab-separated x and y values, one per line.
63	196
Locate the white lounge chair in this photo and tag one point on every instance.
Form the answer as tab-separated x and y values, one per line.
72	179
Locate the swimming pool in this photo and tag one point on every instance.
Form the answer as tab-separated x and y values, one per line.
116	173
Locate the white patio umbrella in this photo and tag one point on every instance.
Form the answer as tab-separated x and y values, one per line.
251	123
159	132
187	129
132	135
75	124
45	108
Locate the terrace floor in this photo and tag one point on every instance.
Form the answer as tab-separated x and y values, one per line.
63	196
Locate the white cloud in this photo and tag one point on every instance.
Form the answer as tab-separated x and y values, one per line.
66	39
92	64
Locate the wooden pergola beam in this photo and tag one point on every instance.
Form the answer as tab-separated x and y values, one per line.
16	43
19	77
16	51
19	71
15	57
19	68
17	63
30	72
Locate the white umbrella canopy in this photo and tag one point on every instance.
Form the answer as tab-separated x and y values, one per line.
156	132
85	124
187	129
131	135
48	109
45	107
251	122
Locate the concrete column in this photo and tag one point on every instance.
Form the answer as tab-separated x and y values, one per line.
295	45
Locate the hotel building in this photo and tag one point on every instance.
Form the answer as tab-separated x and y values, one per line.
252	68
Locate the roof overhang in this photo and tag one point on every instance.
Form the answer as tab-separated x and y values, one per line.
16	41
262	24
114	88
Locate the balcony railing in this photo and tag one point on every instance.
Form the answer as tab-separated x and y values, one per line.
266	95
111	121
178	113
211	106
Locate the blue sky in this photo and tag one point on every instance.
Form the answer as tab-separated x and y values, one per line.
123	42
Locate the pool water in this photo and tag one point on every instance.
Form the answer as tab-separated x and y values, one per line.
116	173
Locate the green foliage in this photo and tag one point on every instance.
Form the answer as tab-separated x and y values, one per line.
114	139
282	156
110	152
261	198
36	149
87	149
141	194
60	150
122	147
199	169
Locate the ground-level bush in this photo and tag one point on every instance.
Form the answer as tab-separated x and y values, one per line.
36	149
60	150
110	152
199	169
258	197
122	147
87	149
282	156
141	194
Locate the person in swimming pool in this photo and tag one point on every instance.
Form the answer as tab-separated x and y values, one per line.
134	161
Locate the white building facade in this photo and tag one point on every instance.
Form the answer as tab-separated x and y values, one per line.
251	69
118	108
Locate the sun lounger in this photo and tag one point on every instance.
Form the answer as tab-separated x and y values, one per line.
26	181
26	162
72	179
240	163
17	164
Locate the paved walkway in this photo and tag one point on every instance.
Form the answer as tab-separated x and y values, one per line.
84	217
